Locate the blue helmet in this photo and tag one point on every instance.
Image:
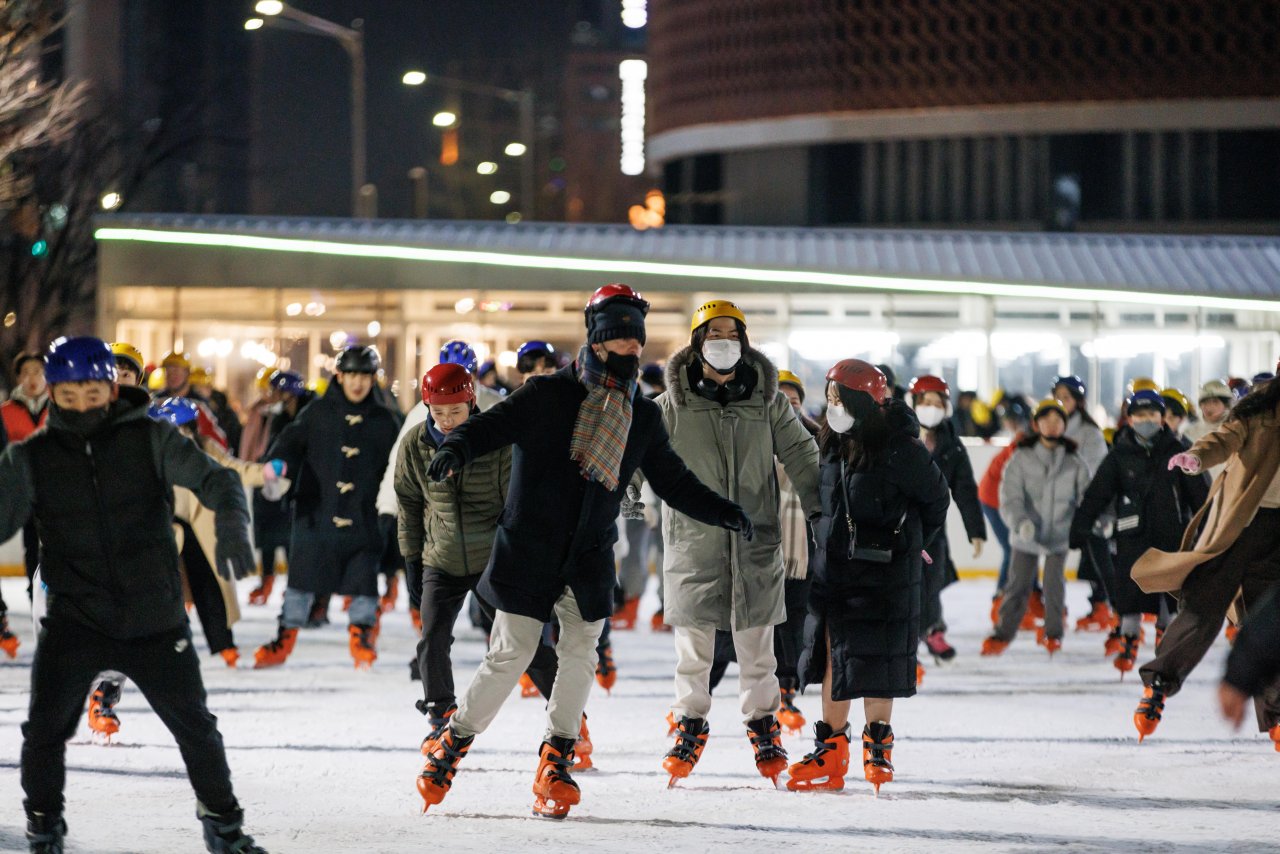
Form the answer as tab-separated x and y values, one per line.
458	352
529	348
176	410
77	360
1072	382
1264	377
1146	399
289	382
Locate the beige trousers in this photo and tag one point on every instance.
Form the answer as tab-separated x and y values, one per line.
757	671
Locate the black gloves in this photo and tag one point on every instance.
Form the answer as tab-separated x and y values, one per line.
444	463
1078	539
737	520
234	552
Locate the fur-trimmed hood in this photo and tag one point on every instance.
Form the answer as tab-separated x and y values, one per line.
677	385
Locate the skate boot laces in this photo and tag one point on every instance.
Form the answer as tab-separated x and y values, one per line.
766	739
689	744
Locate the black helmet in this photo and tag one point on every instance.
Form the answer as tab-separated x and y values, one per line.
358	360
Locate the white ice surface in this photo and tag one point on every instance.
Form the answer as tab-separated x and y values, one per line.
1017	753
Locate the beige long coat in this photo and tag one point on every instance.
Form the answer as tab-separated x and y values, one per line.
1251	451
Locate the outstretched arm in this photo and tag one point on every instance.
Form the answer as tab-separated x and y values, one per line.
675	484
17	489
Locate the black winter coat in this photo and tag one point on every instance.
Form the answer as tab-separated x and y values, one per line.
871	611
1254	663
1152	506
557	529
951	458
273	520
336	451
103	507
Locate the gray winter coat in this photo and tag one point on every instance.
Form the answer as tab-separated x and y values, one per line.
1091	443
713	576
1044	486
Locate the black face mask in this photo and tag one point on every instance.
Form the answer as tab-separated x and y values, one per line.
622	367
85	423
1053	440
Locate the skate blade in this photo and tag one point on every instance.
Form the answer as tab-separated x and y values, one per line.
550	809
671	784
824	784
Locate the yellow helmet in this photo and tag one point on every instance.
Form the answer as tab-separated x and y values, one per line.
155	380
1142	384
176	360
201	376
709	311
130	354
262	380
788	377
1047	405
319	385
1176	396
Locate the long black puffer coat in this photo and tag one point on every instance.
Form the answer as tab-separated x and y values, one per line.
1152	505
871	611
952	459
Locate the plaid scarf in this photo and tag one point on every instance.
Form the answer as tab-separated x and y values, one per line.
604	420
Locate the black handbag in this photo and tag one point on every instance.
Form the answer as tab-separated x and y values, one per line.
873	544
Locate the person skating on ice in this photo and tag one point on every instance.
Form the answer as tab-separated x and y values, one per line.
1042	486
931	399
336	448
579	436
21	415
1228	549
1152	506
883	502
731	425
98	483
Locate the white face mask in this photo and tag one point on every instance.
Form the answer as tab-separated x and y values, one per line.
930	416
839	419
722	353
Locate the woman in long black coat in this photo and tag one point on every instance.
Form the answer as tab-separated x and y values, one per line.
883	501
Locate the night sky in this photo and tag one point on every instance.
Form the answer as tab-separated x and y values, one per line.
302	90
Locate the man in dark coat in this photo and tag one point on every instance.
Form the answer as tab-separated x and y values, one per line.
1253	668
338	446
579	435
98	482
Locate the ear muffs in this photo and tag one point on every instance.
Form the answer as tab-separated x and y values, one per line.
733	390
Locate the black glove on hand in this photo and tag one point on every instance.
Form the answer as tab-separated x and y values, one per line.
234	552
444	463
1077	540
737	520
413	581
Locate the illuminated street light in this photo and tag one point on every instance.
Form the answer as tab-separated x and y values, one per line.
254	24
268	7
515	149
444	119
414	78
499	197
488	167
111	201
635	13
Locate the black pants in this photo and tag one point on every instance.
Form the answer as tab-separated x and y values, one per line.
442	599
1096	568
206	594
167	671
934	578
1252	564
788	639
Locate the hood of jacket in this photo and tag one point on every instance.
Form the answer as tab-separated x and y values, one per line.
678	380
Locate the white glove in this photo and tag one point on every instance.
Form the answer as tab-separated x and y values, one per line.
977	543
1027	530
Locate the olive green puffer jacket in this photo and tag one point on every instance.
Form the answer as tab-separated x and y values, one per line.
451	523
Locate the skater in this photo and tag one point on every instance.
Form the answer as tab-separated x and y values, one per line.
1253	668
1152	505
731	425
130	366
1016	420
97	482
1043	484
1177	408
338	446
1215	404
883	501
535	359
579	436
446	532
1091	444
930	398
21	415
1233	554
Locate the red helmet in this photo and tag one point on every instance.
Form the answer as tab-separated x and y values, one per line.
448	383
926	383
857	375
616	291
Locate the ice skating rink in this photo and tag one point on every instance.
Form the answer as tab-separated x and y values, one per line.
1017	753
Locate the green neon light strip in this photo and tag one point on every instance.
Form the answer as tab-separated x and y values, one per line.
692	271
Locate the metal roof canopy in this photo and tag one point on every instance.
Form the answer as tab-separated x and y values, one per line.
1212	272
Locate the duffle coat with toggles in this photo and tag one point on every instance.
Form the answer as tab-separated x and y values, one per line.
712	576
336	451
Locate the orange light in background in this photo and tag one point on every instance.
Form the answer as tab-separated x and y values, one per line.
449	147
652	214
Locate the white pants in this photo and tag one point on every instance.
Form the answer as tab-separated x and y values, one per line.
512	644
757	671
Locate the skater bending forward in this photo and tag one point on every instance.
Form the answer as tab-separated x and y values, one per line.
99	484
579	436
883	501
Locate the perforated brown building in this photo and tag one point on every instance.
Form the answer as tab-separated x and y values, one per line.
1137	114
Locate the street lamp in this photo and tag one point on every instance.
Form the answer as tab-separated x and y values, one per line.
444	119
522	98
278	14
